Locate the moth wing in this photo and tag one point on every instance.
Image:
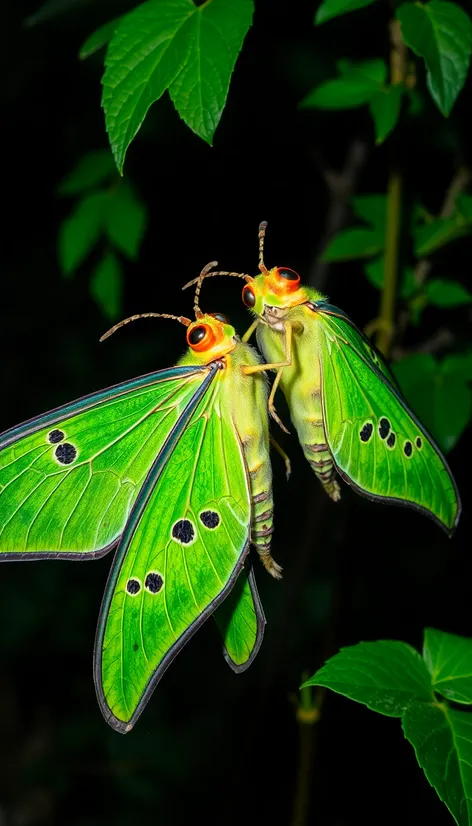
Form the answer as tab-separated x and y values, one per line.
181	553
377	443
69	478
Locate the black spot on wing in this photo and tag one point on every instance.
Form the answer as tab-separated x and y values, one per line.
55	436
133	586
65	453
419	443
183	531
153	582
135	646
408	449
366	431
210	519
391	439
384	427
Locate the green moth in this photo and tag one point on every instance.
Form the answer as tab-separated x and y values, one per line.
350	417
173	470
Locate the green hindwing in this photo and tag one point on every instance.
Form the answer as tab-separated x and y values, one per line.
69	478
241	622
378	445
181	552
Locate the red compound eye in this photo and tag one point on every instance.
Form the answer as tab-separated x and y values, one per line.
200	337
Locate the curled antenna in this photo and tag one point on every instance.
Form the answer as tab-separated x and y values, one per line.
262	231
199	280
181	318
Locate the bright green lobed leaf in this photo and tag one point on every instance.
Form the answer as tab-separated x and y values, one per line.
148	50
448	658
334	8
441	400
354	243
154	44
441	33
442	739
80	231
93	168
444	293
372	208
429	237
99	38
386	676
126	220
106	285
385	110
199	92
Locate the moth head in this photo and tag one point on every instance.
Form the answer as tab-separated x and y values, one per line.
278	287
210	337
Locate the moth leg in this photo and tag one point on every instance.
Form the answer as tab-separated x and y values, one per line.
288	466
279	366
247	335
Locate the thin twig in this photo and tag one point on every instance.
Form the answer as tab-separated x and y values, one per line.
385	321
341	184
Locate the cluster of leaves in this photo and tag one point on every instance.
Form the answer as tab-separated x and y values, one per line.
392	678
439	32
437	391
108	214
175	45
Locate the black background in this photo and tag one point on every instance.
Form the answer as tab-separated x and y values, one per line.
211	746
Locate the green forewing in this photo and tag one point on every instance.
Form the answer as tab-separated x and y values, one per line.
377	443
110	440
241	622
180	554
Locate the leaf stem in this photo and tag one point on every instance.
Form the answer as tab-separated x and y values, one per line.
385	322
308	713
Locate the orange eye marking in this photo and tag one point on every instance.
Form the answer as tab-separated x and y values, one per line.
285	280
201	337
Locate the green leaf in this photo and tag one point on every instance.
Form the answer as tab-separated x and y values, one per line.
459	365
464	205
386	676
126	220
375	69
99	38
442	401
80	232
372	208
442	739
374	271
385	110
354	243
342	93
444	293
199	92
441	33
435	234
106	285
153	45
449	661
93	168
334	8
